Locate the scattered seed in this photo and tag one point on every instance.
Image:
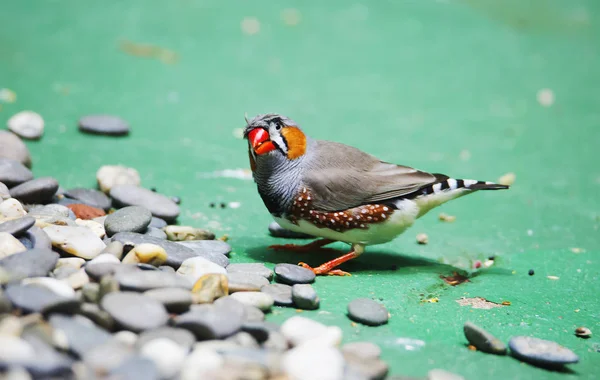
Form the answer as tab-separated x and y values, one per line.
422	238
447	218
583	332
553	277
531	272
507	179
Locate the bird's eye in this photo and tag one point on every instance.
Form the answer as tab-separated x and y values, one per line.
278	127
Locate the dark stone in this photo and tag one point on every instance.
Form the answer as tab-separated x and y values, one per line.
39	190
32	263
81	334
260	330
103	125
31	298
17	227
13	173
100	317
175	300
90	197
245	282
158	204
281	293
540	352
483	340
142	281
98	270
134	311
37	238
305	297
207	247
293	274
158	223
368	312
182	337
127	219
176	253
209	322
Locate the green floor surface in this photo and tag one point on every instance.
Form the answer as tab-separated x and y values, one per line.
471	88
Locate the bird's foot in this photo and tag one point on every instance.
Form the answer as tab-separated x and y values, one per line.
315	245
321	270
327	268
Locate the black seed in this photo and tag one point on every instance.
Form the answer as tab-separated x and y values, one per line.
492	258
531	272
211	204
223	205
153	189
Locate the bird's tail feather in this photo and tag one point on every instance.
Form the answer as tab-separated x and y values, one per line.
445	183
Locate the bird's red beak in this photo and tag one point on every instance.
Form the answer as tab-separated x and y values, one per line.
259	139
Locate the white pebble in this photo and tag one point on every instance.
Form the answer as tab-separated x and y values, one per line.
298	330
104	258
196	267
199	362
311	361
127	337
261	300
4	193
56	286
13	349
422	238
75	262
9	245
12	208
112	175
27	124
166	354
78	241
96	227
545	97
441	374
77	279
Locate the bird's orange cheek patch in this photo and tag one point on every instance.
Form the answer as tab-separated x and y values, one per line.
296	142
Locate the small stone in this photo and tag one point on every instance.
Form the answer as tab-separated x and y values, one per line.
27	124
483	340
261	300
281	293
157	223
31	298
166	354
300	330
146	280
368	312
357	366
199	363
128	219
78	279
78	334
146	253
127	337
11	208
441	374
583	332
244	282
210	287
293	274
194	268
15	350
85	212
158	204
243	339
541	352
39	190
253	314
13	173
63	272
90	197
259	330
210	321
114	248
183	338
96	227
37	239
447	218
135	312
136	368
531	272
507	179
422	238
254	268
277	231
56	286
276	342
108	284
176	253
109	176
103	125
104	258
32	263
156	233
313	361
108	356
305	297
4	192
366	350
13	148
9	245
78	241
213	250
74	262
17	227
185	233
49	211
175	300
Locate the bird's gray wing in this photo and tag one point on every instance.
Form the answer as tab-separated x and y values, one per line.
341	177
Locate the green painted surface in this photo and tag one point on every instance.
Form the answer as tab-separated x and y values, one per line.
413	82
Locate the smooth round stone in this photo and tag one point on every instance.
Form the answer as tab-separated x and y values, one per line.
12	147
49	211
9	245
293	274
175	300
305	297
149	254
114	248
104	258
158	204
78	241
12	208
259	330
39	190
13	173
17	227
109	176
210	322
135	312
15	350
253	314
210	287
187	233
31	298
74	262
59	287
104	125
176	253
27	124
366	350
166	354
300	330
155	233
261	300
99	270
90	197
442	374
254	268
483	340
142	281
277	231
207	247
244	282
108	356
37	238
158	223
312	361
541	352
32	263
4	192
91	292
231	306
200	362
96	227
359	367
78	334
368	312
48	362
182	337
127	219
194	268
136	368
281	293
63	272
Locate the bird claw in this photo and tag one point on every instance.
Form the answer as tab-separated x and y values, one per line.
325	271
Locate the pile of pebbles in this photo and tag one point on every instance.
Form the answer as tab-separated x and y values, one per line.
105	284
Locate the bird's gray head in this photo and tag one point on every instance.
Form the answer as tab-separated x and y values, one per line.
275	136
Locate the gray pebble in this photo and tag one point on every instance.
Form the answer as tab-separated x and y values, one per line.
359	367
244	340
242	282
32	263
12	147
210	322
158	204
175	300
544	353
182	337
136	368
39	190
13	173
64	272
255	268
277	231
366	350
90	197
66	306
176	253
127	219
17	227
98	270
145	266
134	311
293	274
48	362
104	125
37	238
31	298
208	246
281	293
253	314
483	340
368	312
157	223
26	124
100	317
260	330
114	248
108	356
305	297
49	211
156	233
142	281
80	333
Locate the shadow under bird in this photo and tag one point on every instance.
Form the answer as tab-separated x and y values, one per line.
339	193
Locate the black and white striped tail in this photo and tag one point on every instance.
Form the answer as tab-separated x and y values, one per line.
445	183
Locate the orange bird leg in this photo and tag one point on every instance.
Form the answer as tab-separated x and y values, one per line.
315	245
327	268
